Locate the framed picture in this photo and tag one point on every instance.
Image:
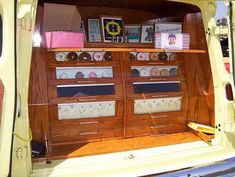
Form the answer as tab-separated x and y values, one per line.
147	33
94	30
168	27
133	33
82	30
111	27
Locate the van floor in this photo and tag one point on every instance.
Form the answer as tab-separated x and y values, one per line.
111	146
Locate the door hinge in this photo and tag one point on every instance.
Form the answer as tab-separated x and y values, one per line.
26	23
19	153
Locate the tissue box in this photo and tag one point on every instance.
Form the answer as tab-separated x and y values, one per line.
172	41
60	39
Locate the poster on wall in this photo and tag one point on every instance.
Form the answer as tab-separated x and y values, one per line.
111	28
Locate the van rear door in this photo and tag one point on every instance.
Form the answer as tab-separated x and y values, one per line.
8	79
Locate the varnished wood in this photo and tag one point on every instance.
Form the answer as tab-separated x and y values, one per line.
127	49
95	148
38	77
199	76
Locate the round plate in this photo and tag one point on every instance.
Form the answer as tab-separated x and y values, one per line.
155	72
105	74
153	56
144	72
98	56
60	56
173	72
79	75
63	75
172	56
164	72
108	56
141	56
135	73
84	56
162	56
92	75
72	56
132	56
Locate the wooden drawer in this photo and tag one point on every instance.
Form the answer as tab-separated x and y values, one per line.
163	123
70	131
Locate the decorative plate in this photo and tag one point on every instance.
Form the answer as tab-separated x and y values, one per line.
92	75
173	72
135	73
72	56
132	56
98	56
153	56
63	75
163	56
84	56
164	72
144	72
108	56
155	72
79	75
172	56
141	56
60	56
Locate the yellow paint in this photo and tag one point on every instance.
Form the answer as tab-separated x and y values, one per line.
147	161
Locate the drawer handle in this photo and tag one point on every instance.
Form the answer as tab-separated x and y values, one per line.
84	100
89	63
157	96
158	126
85	123
155	117
155	63
86	82
88	133
160	79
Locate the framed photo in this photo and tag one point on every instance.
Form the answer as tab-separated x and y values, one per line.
94	30
111	27
147	33
133	33
82	30
168	27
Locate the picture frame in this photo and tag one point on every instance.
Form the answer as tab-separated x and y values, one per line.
147	33
169	27
133	33
94	30
111	27
82	30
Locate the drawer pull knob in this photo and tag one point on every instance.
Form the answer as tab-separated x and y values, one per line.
84	123
88	133
154	117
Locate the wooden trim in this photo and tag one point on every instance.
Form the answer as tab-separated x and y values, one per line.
129	49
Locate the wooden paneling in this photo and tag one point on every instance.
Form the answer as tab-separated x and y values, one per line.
39	122
198	74
38	77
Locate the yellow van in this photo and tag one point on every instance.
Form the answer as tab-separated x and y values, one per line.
114	88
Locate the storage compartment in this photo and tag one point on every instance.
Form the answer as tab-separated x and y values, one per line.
85	90
118	90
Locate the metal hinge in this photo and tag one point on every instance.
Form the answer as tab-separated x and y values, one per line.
26	23
19	153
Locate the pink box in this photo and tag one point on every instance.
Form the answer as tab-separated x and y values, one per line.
59	39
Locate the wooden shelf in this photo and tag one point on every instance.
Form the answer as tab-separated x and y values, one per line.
124	47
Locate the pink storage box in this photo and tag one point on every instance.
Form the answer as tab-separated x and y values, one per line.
59	39
172	41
